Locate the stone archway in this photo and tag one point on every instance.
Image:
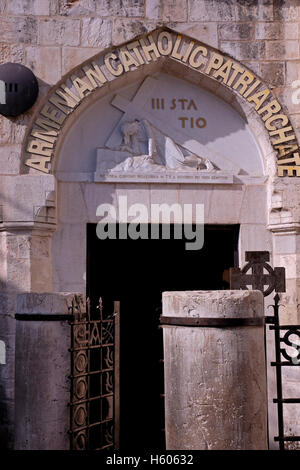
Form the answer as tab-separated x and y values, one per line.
94	76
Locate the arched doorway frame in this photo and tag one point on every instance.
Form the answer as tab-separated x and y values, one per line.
168	62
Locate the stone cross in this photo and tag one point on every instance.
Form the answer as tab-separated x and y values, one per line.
274	279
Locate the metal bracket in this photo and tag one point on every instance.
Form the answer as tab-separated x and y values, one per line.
211	321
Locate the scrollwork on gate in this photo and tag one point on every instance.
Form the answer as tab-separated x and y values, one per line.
94	379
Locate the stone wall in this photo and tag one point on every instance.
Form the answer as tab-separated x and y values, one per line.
53	36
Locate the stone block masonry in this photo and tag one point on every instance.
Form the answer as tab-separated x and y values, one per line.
265	32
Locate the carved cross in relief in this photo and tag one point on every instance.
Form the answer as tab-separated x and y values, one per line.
139	108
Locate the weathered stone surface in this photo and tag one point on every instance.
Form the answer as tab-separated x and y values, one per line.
277	31
94	195
73	56
20	188
7	374
96	32
18	30
175	10
67	243
206	33
10	159
127	29
288	189
295	120
5	130
8	304
154	10
211	10
30	7
246	10
219	212
12	53
59	32
76	7
40	247
19	127
286	98
47	303
236	31
43	422
18	275
244	50
223	406
273	73
252	210
130	8
282	50
265	10
72	204
253	66
188	195
38	59
254	237
287	10
292	71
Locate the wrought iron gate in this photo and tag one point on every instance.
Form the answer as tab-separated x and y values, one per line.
95	385
267	282
288	349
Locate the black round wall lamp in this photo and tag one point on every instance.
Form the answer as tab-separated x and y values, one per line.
18	89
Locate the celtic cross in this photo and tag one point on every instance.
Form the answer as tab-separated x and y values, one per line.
263	276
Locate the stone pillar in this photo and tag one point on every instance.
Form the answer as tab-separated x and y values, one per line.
215	376
42	371
7	369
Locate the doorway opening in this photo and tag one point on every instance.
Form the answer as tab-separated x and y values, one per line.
136	272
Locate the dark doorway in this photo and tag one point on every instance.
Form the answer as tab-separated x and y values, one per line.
136	272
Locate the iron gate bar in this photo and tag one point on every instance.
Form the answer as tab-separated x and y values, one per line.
286	438
283	364
211	321
278	374
117	376
90	399
287	400
280	401
275	280
94	339
88	373
284	327
91	425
